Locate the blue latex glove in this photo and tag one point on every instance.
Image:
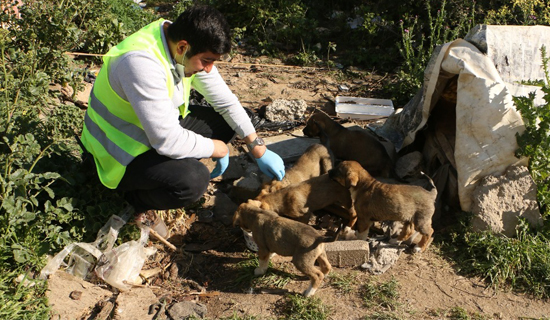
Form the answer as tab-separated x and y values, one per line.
221	165
272	165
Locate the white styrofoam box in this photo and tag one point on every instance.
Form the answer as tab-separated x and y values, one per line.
363	108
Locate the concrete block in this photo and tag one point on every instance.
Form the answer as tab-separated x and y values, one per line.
515	51
290	146
350	253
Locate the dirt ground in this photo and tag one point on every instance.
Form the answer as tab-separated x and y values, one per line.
429	286
214	260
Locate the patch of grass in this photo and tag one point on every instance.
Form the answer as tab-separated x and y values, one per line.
234	316
271	279
18	301
383	294
458	313
298	307
521	263
343	282
382	316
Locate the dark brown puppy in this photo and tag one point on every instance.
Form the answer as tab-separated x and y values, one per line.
275	234
347	144
377	201
299	201
315	161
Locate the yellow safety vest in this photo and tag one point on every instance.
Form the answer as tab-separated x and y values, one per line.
112	132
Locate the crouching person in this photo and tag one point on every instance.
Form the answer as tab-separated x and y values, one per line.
145	138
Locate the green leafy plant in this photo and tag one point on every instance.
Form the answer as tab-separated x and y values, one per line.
416	47
533	142
47	198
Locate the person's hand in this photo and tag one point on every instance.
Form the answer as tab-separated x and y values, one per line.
272	165
221	165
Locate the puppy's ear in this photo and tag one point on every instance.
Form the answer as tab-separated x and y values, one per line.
264	206
255	203
236	217
352	178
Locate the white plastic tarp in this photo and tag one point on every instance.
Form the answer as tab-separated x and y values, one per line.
486	118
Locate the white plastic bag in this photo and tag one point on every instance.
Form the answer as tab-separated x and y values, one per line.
82	256
120	266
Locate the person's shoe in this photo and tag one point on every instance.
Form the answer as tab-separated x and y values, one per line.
152	220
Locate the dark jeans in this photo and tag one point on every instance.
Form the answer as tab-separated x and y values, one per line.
158	182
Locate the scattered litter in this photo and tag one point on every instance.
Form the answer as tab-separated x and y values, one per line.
118	266
343	87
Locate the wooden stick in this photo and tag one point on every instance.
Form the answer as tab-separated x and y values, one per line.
161	239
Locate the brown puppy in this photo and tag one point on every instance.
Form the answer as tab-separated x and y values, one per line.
315	161
377	201
347	144
275	234
298	201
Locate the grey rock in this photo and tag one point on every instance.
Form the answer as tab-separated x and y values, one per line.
498	201
281	110
185	309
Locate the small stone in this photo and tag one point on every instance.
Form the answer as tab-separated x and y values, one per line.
75	295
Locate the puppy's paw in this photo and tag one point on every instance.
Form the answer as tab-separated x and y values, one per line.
259	271
348	234
417	249
309	292
362	235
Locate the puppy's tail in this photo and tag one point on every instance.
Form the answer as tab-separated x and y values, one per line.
431	186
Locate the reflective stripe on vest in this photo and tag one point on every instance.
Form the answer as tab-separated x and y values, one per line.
112	132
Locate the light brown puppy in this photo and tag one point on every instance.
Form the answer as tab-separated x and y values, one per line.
377	201
315	161
275	234
347	144
299	201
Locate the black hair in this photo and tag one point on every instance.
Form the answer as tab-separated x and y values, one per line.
204	28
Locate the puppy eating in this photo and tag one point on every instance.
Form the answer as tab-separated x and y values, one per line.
377	201
275	234
315	161
299	201
348	144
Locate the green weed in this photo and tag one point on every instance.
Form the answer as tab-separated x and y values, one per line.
534	142
521	263
18	301
345	283
234	316
382	316
383	294
298	307
271	279
459	313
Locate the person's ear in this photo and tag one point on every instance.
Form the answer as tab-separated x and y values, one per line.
182	46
